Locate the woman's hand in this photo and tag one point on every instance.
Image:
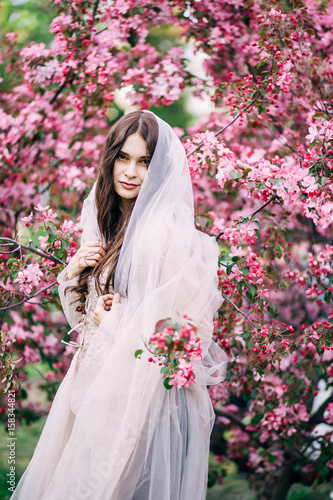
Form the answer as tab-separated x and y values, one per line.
104	304
88	255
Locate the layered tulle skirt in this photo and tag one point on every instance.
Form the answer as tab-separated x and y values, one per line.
160	454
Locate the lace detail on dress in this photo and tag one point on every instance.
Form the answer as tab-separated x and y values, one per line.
89	327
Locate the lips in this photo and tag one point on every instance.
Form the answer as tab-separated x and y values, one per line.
127	185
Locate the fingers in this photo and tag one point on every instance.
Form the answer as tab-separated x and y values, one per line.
89	256
97	243
106	301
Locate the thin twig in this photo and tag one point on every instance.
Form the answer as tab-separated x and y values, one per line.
318	416
263	206
95	9
62	86
29	298
249	217
58	91
285	144
238	310
229	124
37	251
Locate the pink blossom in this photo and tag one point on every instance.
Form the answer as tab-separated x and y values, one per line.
313	134
28	219
237	252
29	277
178	379
329	414
31	355
40	208
49	215
43	241
68	226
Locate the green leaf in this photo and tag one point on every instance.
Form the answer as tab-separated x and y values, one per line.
138	353
258	234
164	369
235	175
272	311
263	61
244	270
166	383
256	221
321	181
252	290
228	186
229	268
278	181
10	261
261	187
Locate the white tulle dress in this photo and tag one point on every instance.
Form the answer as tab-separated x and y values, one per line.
114	432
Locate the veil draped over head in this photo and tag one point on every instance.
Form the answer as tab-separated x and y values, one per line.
127	425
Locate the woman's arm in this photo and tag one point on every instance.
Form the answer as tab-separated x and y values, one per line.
73	316
88	255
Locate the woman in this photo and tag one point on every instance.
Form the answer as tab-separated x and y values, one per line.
114	432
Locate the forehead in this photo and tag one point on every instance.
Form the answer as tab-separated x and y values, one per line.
135	145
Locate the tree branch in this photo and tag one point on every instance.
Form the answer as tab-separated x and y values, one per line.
58	91
37	251
318	416
62	86
249	217
95	9
229	124
238	310
28	298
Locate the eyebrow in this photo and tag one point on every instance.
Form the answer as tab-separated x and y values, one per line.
142	157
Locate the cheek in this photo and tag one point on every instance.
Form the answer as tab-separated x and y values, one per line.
117	169
143	173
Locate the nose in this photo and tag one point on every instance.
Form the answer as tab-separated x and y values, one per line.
131	170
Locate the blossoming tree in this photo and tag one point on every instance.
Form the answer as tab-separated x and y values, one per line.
261	164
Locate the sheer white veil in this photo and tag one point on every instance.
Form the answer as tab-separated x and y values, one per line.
162	221
124	416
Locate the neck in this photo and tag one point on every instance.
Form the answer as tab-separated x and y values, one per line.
126	206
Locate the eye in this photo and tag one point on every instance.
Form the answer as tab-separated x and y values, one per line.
145	161
122	157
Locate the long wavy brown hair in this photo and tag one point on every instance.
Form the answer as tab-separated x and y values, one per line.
112	221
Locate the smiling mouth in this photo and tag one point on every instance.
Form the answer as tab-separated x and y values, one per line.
127	185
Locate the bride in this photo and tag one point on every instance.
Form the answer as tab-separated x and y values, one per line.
114	432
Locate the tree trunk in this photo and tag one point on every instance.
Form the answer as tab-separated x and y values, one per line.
273	485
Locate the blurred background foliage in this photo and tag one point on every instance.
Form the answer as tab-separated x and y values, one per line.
29	18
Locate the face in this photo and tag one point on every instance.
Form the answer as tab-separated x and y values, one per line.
130	169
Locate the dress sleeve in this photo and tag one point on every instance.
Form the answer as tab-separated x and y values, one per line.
69	308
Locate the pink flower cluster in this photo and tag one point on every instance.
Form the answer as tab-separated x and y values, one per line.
174	346
29	277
